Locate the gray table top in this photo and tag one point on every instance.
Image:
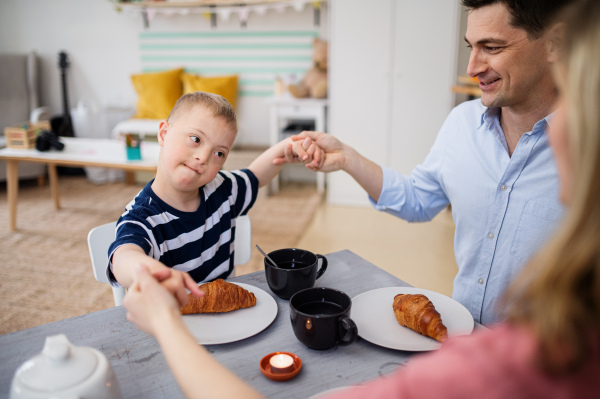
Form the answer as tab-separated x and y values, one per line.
142	370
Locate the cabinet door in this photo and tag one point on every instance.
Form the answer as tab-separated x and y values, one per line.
391	72
425	59
360	89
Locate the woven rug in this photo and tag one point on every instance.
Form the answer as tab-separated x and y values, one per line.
45	268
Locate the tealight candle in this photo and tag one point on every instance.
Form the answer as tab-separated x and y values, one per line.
281	363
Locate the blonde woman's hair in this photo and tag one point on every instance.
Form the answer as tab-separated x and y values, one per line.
558	294
216	104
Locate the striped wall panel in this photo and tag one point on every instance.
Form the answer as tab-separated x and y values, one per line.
257	57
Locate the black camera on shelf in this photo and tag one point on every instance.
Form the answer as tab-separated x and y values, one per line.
46	140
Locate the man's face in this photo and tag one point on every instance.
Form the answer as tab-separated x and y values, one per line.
512	68
195	147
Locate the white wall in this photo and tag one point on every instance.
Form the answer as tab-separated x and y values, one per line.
103	47
393	63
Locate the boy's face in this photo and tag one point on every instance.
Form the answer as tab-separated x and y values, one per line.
195	145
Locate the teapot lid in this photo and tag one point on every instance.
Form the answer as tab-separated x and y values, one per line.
60	366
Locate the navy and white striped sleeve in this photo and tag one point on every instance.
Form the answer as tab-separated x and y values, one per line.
246	185
131	229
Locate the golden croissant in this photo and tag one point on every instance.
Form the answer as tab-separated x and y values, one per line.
219	296
418	313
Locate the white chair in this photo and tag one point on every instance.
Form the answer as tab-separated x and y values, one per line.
100	238
243	236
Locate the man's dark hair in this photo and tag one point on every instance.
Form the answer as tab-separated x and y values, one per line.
533	16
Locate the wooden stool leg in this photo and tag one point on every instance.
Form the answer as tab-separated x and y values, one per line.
53	177
129	177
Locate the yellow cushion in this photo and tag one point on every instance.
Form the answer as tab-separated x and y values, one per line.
157	93
226	86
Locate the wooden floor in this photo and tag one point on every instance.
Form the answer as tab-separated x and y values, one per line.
421	254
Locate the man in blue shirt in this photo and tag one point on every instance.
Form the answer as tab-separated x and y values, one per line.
491	160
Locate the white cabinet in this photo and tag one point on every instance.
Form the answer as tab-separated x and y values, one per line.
392	65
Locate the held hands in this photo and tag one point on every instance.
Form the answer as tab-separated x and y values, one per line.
328	153
149	300
301	151
176	282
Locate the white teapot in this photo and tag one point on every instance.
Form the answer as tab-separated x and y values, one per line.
65	371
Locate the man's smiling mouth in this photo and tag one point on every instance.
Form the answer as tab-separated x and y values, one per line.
489	82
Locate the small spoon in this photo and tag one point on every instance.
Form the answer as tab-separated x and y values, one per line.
266	256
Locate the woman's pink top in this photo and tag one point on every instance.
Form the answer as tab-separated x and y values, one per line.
494	363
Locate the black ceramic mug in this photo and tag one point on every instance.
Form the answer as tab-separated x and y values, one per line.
296	270
321	318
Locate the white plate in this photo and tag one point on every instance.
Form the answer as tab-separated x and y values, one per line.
373	314
222	328
329	392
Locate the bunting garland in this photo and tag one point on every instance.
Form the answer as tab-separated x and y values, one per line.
215	9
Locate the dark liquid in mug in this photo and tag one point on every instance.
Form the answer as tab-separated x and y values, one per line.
291	265
320	308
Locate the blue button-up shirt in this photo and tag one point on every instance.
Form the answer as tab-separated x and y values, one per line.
504	208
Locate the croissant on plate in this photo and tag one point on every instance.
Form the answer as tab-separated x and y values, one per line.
418	313
219	296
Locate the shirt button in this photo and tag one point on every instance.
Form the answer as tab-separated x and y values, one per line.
383	208
490	235
503	187
480	281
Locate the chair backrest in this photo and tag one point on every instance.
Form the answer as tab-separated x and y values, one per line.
243	236
100	238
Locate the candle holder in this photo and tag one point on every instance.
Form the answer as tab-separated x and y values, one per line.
280	374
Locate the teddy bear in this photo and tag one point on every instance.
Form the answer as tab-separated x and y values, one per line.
314	82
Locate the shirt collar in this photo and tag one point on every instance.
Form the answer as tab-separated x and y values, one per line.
491	115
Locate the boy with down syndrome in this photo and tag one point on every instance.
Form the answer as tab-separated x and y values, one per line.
185	218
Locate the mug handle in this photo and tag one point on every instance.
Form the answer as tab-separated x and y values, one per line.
323	266
348	331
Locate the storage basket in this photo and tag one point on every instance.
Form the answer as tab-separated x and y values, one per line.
24	136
